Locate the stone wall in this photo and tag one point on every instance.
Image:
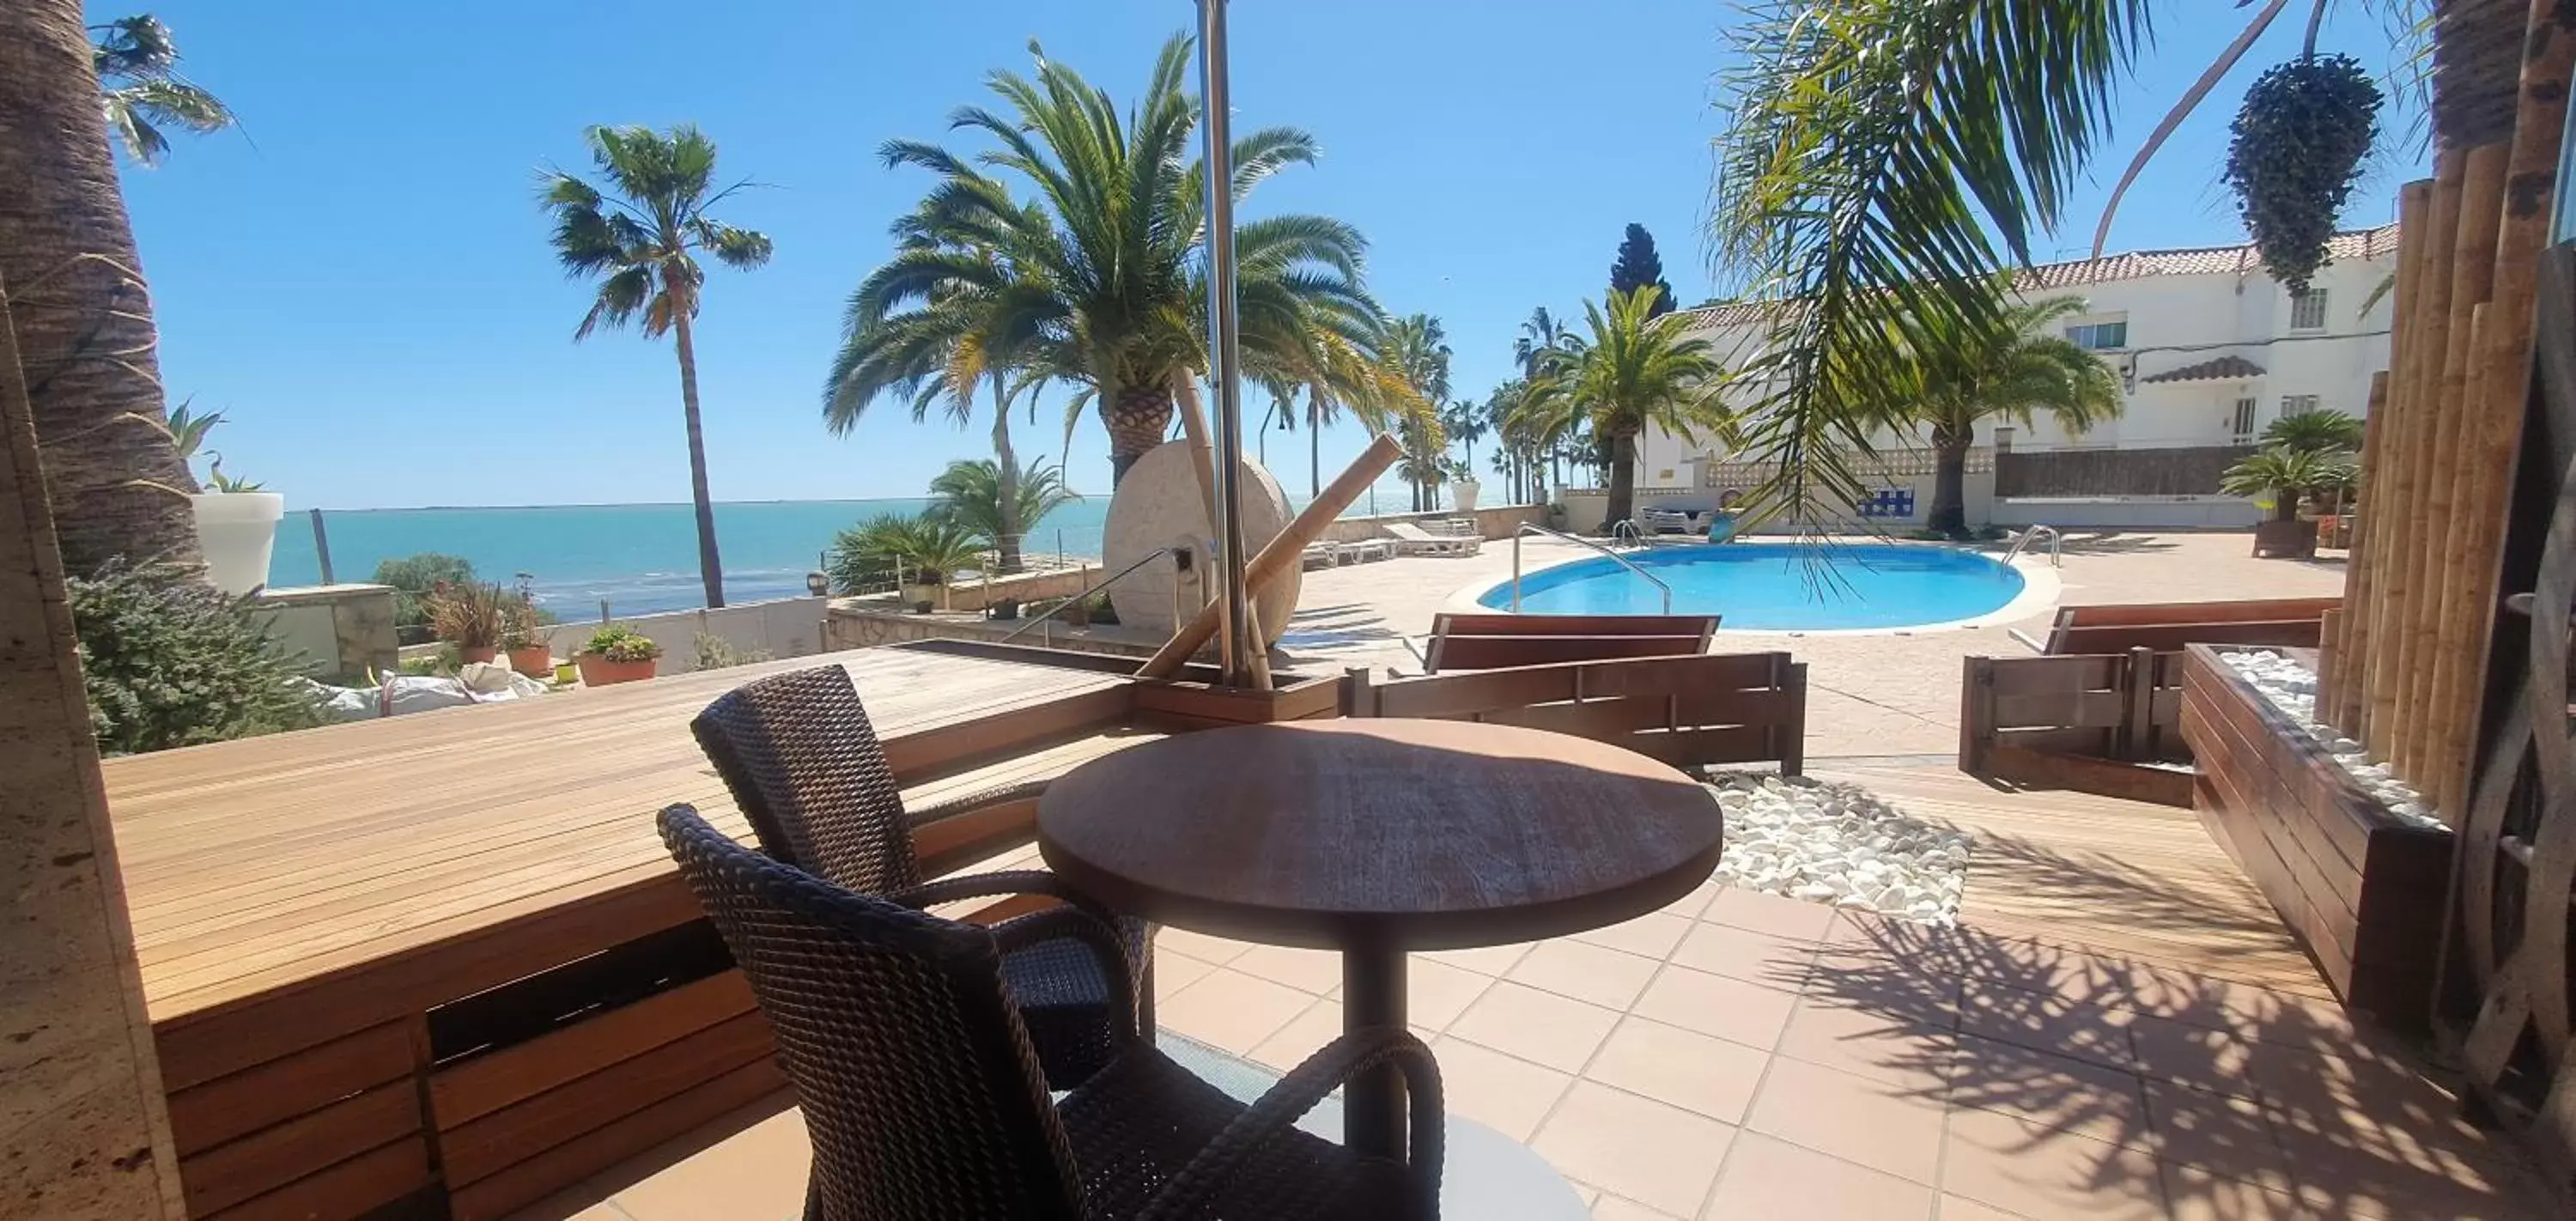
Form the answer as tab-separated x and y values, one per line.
785	627
342	631
2180	471
1496	522
853	626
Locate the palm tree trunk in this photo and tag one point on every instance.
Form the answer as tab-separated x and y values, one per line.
1315	447
1950	479
83	314
710	565
1138	418
1006	484
1623	478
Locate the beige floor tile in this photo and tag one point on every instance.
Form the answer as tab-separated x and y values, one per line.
757	1172
2051	1091
1436	993
1658	1155
1777	915
1489	960
1216	950
1720	949
583	1203
1731	1009
1864	980
1872	1123
1871	1045
2400	1165
1604	977
2225	1136
2077	1031
1608	1207
1689	906
1231	1010
1765	1177
1173	972
1507	1094
1687	1069
1999	1160
1303	1036
1556	1031
1653	935
1317	972
1961	1208
2197	1195
2188	1053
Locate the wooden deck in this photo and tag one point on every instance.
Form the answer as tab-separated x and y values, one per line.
2125	879
422	960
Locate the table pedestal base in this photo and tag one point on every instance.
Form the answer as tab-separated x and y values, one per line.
1373	995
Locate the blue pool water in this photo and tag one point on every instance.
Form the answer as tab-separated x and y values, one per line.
1778	586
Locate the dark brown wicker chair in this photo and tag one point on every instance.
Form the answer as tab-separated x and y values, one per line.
805	765
923	1096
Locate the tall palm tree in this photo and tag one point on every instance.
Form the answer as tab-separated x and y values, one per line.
1417	347
1100	280
77	302
1338	368
2020	367
141	91
640	240
1636	369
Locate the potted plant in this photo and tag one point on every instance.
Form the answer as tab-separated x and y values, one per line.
933	549
616	654
2278	478
471	616
236	520
523	637
1463	488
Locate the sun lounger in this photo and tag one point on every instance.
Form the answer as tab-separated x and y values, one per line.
1322	555
1411	539
1368	550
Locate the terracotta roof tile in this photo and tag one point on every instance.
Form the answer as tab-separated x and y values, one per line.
2224	368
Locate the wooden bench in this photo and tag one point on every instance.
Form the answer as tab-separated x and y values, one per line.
2167	626
2093	724
1687	711
1494	642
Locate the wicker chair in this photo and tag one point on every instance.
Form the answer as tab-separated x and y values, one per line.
923	1096
807	770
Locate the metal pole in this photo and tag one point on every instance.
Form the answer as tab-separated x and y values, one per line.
1217	97
322	548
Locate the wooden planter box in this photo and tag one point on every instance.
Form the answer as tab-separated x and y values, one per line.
2093	724
2361	887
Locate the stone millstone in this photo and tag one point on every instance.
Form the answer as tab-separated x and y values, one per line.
1158	506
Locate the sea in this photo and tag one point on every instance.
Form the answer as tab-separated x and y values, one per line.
641	558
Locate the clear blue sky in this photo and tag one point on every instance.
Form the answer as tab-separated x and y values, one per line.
363	282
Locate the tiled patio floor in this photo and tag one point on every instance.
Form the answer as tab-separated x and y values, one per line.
1743	1056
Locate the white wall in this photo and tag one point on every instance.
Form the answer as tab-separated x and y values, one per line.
787	627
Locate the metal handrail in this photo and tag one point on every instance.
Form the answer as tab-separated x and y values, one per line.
1623	561
2055	558
1625	530
1085	596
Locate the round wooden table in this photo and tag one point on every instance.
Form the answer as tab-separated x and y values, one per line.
1377	837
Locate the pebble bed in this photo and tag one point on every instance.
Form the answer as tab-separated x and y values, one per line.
1837	844
2292	688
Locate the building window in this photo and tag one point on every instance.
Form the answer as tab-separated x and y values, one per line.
2308	310
2242	427
2297	404
2100	336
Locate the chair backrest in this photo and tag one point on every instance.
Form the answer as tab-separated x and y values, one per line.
806	767
919	1088
2167	626
1410	533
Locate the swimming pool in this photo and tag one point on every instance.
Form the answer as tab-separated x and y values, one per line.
1768	587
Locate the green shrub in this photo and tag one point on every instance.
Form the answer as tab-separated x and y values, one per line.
717	653
413	577
171	661
620	643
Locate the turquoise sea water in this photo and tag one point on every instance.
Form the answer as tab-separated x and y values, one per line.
1769	586
641	558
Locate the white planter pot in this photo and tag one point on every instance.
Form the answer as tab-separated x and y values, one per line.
238	530
1463	491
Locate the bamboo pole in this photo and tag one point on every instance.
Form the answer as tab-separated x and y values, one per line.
2494	425
2352	662
1281	551
1194	429
2472	272
2414	211
2424	380
2455	719
2422	310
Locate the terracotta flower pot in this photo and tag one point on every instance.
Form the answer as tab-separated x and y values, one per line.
2285	540
598	671
475	653
535	661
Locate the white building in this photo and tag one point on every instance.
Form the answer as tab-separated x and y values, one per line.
2210	348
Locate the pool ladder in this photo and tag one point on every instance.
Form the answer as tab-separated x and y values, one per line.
1528	528
2055	560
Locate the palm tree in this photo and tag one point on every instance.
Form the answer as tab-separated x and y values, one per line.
1099	281
2015	370
2286	476
77	304
1418	349
1465	423
641	240
2318	431
1636	369
141	90
977	494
